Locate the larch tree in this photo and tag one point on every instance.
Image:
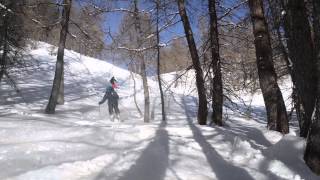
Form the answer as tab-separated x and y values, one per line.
143	73
276	11
134	42
301	52
276	110
312	152
58	82
215	66
4	41
158	59
86	29
12	34
43	19
202	109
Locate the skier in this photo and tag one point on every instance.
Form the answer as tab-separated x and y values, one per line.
113	98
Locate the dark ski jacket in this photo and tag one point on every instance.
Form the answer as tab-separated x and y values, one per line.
110	94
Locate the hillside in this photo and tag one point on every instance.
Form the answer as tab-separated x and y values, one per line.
80	142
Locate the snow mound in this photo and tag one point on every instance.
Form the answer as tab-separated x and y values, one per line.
286	159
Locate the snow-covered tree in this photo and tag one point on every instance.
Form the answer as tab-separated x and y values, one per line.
276	110
135	43
202	109
312	152
57	92
12	33
301	52
215	66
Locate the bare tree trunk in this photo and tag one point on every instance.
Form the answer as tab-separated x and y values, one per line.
158	64
217	92
312	153
145	91
177	81
301	52
202	109
143	64
5	48
276	110
58	78
295	94
275	8
135	93
60	99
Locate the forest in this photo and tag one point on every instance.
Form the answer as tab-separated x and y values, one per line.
195	89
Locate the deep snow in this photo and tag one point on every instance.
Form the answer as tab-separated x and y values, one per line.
80	142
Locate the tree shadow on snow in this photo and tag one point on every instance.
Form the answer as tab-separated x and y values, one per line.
292	161
257	113
273	154
153	162
221	168
85	148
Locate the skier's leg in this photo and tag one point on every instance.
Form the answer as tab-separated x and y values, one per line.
99	111
110	107
116	109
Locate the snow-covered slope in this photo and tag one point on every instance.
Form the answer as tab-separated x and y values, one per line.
80	142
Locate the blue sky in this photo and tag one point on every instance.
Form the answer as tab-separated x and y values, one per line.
195	8
113	21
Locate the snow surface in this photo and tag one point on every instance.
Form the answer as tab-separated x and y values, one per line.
80	142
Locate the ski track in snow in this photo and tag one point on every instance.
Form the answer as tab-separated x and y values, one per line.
80	142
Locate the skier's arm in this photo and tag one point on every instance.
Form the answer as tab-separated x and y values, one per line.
105	97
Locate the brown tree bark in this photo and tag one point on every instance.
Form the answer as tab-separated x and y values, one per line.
276	110
202	109
275	8
145	91
58	78
312	153
60	99
217	89
301	53
4	42
158	63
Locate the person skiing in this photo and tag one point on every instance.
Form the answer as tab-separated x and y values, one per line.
113	98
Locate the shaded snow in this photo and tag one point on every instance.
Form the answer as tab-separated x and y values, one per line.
80	142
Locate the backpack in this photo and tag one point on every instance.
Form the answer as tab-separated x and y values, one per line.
114	95
111	93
